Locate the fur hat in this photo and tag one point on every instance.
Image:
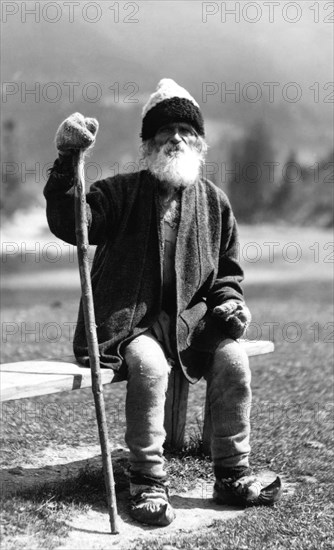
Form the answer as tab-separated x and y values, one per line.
170	103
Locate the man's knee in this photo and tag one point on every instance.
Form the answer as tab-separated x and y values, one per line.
231	361
144	356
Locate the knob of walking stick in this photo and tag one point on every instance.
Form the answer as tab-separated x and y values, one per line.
76	133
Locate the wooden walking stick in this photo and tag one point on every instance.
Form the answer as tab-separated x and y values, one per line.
81	231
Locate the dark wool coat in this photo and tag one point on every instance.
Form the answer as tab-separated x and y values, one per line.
126	224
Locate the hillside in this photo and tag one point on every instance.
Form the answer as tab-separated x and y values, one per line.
108	68
201	56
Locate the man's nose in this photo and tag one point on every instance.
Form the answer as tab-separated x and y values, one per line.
176	138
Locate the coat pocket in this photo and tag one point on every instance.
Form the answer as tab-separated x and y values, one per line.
191	320
201	332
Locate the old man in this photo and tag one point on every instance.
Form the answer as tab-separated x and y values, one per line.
166	286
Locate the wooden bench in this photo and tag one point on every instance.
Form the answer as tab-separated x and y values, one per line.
26	379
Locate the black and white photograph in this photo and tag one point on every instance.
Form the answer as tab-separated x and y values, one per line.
167	251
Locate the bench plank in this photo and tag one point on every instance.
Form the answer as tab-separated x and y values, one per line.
44	376
40	377
257	347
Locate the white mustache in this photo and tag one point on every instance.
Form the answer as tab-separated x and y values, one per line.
174	148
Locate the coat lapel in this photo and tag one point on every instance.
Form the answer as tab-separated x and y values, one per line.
187	253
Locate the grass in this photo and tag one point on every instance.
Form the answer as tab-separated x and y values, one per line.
291	425
32	524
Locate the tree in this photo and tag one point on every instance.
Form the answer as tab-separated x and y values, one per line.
284	193
10	181
250	186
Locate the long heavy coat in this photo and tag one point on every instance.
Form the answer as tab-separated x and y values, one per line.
126	224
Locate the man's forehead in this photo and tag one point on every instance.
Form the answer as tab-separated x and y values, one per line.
175	125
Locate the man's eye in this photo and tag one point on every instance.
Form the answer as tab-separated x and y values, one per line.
187	131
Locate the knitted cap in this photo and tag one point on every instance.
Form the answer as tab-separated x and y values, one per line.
170	103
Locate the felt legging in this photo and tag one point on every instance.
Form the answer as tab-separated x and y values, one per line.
229	396
147	378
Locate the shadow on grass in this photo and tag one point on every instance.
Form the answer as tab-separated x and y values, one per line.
44	507
80	482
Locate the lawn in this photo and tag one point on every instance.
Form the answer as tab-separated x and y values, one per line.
292	423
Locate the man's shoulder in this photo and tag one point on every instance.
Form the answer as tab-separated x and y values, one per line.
123	181
124	178
214	192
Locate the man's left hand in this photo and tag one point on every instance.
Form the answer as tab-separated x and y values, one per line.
235	317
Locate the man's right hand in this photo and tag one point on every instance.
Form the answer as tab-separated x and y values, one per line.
235	317
76	132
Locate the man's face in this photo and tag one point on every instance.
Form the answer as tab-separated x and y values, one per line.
177	135
175	154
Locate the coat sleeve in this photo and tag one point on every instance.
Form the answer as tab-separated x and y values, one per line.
227	284
59	194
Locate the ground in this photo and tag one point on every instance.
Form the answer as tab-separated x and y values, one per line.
290	296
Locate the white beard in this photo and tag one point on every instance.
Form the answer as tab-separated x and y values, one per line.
178	166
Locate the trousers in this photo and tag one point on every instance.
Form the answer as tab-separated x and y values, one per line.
228	390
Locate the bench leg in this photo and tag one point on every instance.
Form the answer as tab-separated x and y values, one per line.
207	427
176	410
